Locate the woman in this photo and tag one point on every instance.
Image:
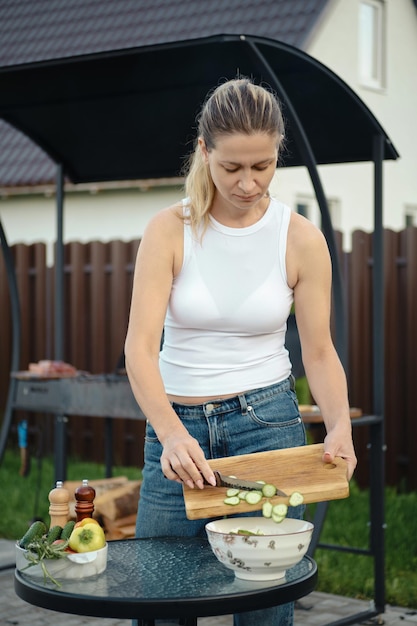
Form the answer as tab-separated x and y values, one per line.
219	273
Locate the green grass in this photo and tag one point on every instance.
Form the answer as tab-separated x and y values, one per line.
24	498
351	575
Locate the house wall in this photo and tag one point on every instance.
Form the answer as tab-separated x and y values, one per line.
123	214
336	45
104	215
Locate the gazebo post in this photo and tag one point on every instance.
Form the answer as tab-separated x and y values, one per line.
60	461
377	431
16	341
59	265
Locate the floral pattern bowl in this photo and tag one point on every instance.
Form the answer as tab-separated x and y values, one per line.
265	551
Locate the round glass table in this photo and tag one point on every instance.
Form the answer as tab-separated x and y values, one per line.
147	579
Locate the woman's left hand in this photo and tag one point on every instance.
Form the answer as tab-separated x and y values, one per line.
335	446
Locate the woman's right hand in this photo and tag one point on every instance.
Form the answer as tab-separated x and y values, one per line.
183	460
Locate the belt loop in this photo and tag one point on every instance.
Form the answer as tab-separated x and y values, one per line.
292	382
243	404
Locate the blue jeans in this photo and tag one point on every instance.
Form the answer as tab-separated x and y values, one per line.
256	421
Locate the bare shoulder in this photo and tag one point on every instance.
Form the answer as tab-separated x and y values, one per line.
302	232
306	248
166	223
162	241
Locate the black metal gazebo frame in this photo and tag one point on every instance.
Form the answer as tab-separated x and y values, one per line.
130	114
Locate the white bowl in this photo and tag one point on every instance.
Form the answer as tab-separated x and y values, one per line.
74	565
264	556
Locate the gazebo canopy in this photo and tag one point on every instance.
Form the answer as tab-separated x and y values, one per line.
130	114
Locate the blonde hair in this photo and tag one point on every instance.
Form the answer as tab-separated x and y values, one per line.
236	106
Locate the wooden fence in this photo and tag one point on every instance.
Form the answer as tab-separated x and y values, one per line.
98	282
97	289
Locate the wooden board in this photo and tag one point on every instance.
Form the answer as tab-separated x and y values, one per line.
311	413
294	469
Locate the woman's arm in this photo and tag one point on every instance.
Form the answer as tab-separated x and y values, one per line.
310	275
159	259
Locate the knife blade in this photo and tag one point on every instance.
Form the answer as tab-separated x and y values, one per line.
240	483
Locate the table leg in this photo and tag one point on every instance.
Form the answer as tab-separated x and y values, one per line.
318	521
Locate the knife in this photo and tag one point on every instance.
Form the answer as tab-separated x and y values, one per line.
240	483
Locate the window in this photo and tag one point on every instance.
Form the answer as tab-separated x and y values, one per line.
302	208
335	211
308	207
410	215
372	43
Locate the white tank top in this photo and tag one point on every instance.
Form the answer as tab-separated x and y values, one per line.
227	314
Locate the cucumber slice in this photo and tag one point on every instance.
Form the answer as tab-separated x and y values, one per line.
253	497
269	490
267	509
242	495
296	499
277	518
232	500
280	510
232	492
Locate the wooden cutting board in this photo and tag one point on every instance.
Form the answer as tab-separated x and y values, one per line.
293	469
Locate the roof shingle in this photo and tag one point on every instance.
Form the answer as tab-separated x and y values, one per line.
48	29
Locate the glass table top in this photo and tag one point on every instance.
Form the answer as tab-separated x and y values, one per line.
146	573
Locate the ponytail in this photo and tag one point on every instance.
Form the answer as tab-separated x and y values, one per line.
236	106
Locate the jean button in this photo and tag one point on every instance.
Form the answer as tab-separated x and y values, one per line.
209	406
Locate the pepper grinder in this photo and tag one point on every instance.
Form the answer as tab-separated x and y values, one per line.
59	505
84	501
